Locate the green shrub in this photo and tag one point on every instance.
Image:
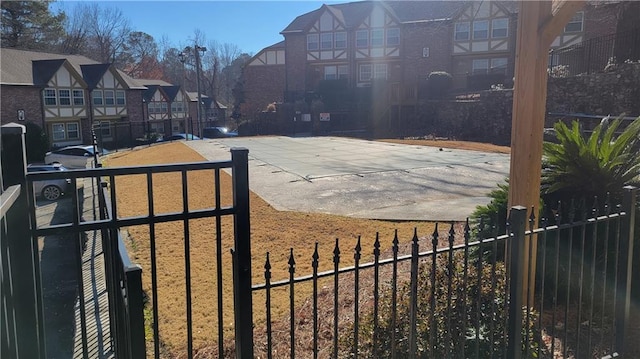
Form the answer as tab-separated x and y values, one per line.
463	309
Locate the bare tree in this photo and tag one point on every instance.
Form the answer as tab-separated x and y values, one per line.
76	31
109	31
140	56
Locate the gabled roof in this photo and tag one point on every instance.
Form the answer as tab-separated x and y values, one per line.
94	73
193	96
151	90
17	68
171	91
352	14
43	70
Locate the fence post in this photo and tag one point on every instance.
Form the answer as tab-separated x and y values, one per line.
243	304
23	269
625	267
517	221
137	347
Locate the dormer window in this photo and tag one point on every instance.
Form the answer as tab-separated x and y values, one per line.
120	98
109	99
377	37
326	41
78	97
499	28
576	23
480	30
341	40
65	97
362	38
462	31
50	98
393	37
312	42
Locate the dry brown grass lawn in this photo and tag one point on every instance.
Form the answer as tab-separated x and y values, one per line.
271	231
461	145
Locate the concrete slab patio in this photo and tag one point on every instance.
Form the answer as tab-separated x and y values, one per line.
365	179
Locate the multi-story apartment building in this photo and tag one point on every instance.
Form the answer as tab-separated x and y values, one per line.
398	44
66	95
165	107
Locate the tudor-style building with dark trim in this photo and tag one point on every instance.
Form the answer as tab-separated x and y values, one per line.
66	95
397	44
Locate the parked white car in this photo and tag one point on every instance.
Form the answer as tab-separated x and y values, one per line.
52	189
71	157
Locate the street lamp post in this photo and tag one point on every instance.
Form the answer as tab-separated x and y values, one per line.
183	58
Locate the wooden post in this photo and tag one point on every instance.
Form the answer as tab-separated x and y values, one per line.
539	22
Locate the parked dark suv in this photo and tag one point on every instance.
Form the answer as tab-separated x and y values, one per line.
217	132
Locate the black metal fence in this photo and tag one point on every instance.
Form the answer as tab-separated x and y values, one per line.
128	134
23	329
464	297
595	54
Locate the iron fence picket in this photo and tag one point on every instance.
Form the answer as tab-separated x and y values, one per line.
494	280
314	265
187	263
356	292
594	234
413	297
625	269
478	297
556	285
532	242
336	267
292	314
394	294
218	206
603	308
376	288
465	279
450	273
572	215
154	268
583	239
267	278
543	263
434	266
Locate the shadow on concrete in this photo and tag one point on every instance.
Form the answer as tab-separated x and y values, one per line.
59	261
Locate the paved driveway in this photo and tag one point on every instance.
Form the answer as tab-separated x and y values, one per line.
365	179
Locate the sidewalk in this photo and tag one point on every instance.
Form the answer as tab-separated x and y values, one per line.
96	310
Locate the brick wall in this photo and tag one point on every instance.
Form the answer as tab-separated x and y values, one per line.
487	116
134	112
14	98
437	37
263	84
296	61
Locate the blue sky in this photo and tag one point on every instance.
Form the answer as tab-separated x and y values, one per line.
251	25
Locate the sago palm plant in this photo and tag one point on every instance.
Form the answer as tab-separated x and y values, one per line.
578	166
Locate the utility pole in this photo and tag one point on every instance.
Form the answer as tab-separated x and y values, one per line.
198	65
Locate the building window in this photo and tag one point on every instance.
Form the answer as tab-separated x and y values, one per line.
105	128
157	127
365	72
108	98
312	42
50	97
73	132
164	107
393	37
462	31
499	28
58	131
480	67
326	40
343	71
341	40
380	71
120	98
97	97
65	97
499	65
362	38
177	107
377	37
78	97
330	73
576	23
480	30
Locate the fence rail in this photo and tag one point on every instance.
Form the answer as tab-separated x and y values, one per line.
595	54
454	289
